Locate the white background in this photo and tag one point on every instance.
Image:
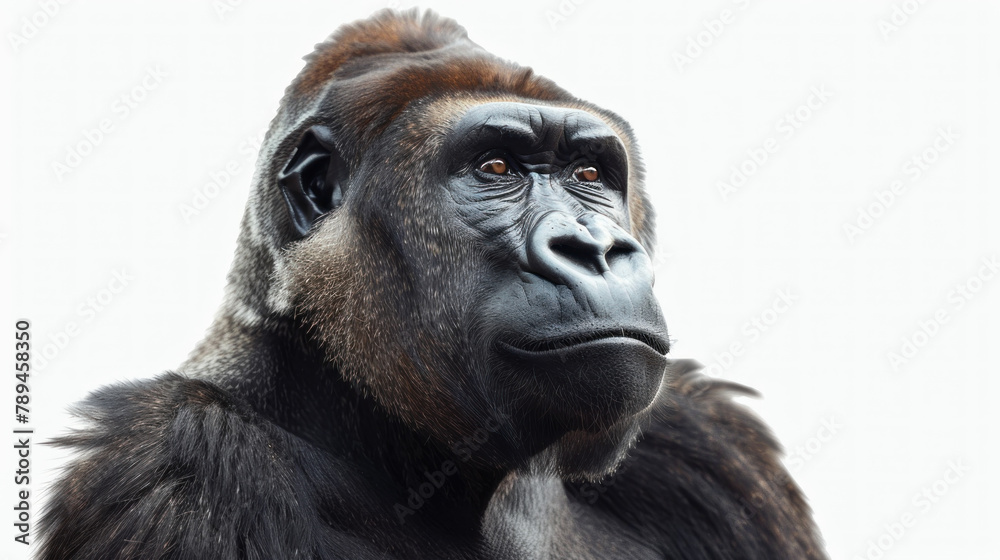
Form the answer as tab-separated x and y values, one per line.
865	435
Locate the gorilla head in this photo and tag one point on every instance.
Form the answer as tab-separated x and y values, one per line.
466	242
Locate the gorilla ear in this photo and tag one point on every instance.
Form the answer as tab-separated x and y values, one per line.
312	180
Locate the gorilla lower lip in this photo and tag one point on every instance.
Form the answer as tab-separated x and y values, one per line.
568	342
586	381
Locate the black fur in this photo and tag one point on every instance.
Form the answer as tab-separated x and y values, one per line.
179	468
346	403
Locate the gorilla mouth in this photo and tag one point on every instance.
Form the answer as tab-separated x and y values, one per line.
657	343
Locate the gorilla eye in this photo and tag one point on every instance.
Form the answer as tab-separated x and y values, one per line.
586	173
495	166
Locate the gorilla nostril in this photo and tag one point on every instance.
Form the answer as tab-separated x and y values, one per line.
617	252
587	257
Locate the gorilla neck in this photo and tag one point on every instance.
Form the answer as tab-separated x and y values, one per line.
287	380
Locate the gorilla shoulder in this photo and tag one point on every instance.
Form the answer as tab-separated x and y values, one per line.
175	468
705	475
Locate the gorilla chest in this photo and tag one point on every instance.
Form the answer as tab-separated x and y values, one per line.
532	520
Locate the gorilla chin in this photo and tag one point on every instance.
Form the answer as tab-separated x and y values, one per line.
589	384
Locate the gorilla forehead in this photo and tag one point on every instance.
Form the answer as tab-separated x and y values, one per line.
529	129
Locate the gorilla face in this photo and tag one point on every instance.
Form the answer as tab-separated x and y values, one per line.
488	265
569	304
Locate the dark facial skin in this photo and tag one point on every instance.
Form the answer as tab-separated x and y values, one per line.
572	312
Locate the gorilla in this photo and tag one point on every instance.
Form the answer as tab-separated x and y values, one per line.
439	340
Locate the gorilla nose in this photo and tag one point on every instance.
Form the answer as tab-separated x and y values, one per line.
568	250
